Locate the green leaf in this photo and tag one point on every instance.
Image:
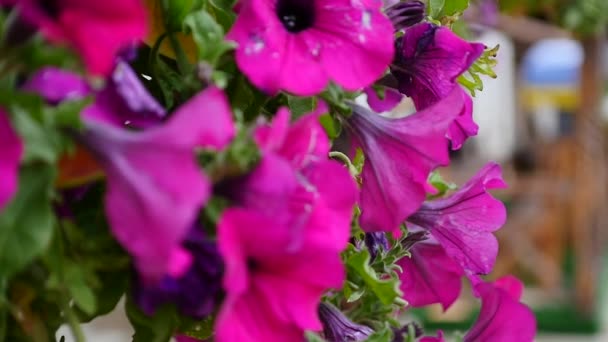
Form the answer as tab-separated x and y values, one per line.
208	36
199	329
440	184
313	337
383	335
74	279
159	327
299	106
174	12
452	7
331	125
435	7
386	290
26	224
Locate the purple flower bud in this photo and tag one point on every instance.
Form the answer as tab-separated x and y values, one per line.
406	14
338	328
375	243
399	332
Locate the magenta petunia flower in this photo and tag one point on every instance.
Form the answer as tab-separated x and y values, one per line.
429	60
124	101
502	318
463	126
296	179
400	154
438	338
155	186
98	30
11	150
463	222
430	276
300	45
272	291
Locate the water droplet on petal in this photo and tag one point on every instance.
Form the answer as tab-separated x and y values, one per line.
366	20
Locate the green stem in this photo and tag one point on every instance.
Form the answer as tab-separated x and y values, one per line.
73	322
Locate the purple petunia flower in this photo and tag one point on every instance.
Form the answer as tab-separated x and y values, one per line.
123	101
428	61
300	45
404	14
430	276
400	154
149	209
463	222
11	150
338	328
114	24
197	291
502	318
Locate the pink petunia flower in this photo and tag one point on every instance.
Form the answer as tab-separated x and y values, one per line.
502	318
284	241
155	186
272	292
430	276
11	150
300	45
97	30
400	154
463	222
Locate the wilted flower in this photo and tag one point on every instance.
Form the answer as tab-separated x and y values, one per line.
11	150
149	208
338	328
300	45
400	154
96	29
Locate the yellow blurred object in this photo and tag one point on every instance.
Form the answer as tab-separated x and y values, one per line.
564	98
157	28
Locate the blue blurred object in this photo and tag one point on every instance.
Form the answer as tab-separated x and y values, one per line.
553	62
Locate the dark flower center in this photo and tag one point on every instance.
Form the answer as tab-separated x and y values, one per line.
296	15
252	264
50	7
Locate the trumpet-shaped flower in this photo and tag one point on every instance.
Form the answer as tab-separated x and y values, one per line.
430	276
11	150
299	45
400	154
272	290
502	317
149	207
338	328
97	30
428	61
463	222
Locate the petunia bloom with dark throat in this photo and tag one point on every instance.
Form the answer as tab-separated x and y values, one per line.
300	45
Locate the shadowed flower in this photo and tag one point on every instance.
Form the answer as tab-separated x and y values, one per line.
430	276
123	101
197	291
502	317
98	30
400	154
428	61
11	150
300	45
463	222
338	328
149	208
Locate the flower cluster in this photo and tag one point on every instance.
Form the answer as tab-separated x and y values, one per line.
236	191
